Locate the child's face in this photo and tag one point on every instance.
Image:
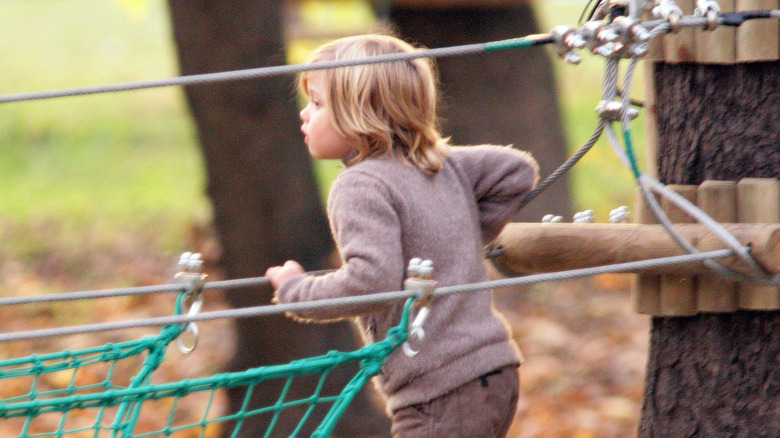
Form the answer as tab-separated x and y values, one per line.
320	136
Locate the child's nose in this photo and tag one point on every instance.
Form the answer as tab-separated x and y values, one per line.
303	114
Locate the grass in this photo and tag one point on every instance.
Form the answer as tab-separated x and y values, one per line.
124	162
128	163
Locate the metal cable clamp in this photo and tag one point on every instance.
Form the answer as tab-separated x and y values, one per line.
613	111
566	40
668	10
709	9
420	279
190	273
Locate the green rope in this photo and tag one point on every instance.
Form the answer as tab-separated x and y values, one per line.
630	154
125	401
517	43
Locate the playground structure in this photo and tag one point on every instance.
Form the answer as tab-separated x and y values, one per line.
752	248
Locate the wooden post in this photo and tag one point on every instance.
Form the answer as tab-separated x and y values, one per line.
719	200
717	46
759	202
678	291
757	40
681	46
645	288
655	51
651	139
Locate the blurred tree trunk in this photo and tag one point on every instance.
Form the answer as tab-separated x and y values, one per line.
506	97
264	196
715	374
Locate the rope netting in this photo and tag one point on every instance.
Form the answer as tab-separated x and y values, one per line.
87	393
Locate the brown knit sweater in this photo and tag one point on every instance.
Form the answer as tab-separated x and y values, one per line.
383	213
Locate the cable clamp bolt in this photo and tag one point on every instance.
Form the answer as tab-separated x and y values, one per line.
567	39
420	279
709	9
668	10
602	39
584	217
613	111
632	30
190	274
618	6
619	215
552	219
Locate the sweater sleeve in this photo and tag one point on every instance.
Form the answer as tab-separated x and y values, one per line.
367	231
500	177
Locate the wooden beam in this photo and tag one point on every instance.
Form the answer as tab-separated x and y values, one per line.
534	247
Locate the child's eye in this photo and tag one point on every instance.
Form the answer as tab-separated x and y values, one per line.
316	103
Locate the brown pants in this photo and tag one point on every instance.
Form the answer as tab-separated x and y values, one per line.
483	407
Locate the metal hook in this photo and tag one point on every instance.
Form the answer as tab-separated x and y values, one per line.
190	266
416	331
187	349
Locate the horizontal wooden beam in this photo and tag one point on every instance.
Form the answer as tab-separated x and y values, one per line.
535	248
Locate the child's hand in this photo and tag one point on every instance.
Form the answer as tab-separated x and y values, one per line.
279	274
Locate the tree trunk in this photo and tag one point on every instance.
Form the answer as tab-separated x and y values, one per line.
264	196
506	97
715	374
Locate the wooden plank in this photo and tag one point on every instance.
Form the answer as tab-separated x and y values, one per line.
678	291
645	288
681	46
758	40
758	201
718	46
714	293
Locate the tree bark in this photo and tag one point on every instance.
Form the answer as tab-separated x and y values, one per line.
506	97
715	375
264	196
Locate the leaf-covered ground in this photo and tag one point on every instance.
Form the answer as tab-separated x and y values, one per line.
585	350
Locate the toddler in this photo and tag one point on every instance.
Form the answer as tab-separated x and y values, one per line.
406	193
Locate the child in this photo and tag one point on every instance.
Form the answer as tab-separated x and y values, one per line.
406	193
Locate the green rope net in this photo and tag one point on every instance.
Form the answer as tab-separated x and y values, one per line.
87	393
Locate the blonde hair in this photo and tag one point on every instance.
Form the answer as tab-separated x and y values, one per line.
386	108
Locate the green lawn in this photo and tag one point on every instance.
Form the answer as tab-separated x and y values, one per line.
95	165
129	163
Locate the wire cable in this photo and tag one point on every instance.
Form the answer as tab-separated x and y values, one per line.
264	72
377	298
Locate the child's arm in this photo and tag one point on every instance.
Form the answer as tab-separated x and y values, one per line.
501	176
367	232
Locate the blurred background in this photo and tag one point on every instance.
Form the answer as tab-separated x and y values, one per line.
106	191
